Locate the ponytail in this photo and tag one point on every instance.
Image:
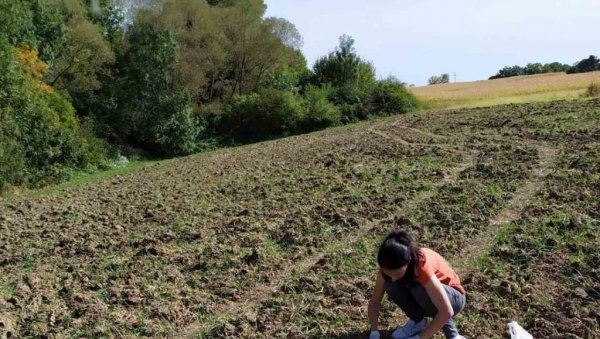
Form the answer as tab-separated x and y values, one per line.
398	250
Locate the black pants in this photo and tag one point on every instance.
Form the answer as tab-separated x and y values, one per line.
415	302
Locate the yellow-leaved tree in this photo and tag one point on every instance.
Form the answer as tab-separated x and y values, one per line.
33	68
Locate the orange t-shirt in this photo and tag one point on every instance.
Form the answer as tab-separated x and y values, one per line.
432	263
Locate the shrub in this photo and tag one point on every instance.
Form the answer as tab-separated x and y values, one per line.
91	152
179	133
261	115
319	111
353	112
391	97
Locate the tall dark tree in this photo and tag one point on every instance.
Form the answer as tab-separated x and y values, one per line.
590	64
151	105
85	53
228	50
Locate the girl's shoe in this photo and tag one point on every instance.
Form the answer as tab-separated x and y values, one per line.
409	329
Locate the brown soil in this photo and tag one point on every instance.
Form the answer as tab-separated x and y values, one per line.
276	239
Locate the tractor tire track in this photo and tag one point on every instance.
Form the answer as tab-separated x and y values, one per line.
484	241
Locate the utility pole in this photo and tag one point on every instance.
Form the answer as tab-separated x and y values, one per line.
454	76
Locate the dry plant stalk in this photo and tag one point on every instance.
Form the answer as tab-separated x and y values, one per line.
593	90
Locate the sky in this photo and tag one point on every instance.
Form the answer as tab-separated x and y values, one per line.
415	39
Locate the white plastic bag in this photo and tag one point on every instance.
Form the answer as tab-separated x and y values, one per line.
517	332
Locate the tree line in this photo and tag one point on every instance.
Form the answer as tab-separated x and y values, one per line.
590	64
444	78
83	80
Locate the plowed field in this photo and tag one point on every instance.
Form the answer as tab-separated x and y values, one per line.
278	239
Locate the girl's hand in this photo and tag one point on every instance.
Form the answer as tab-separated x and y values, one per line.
375	303
374	335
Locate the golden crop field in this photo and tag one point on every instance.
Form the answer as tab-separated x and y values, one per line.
540	87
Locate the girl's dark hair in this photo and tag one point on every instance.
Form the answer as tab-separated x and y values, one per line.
398	250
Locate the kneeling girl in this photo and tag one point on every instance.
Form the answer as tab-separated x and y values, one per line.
422	284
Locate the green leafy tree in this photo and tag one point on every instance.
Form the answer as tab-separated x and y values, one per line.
351	77
34	23
151	107
16	22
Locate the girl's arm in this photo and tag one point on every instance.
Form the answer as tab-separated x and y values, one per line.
440	300
375	302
